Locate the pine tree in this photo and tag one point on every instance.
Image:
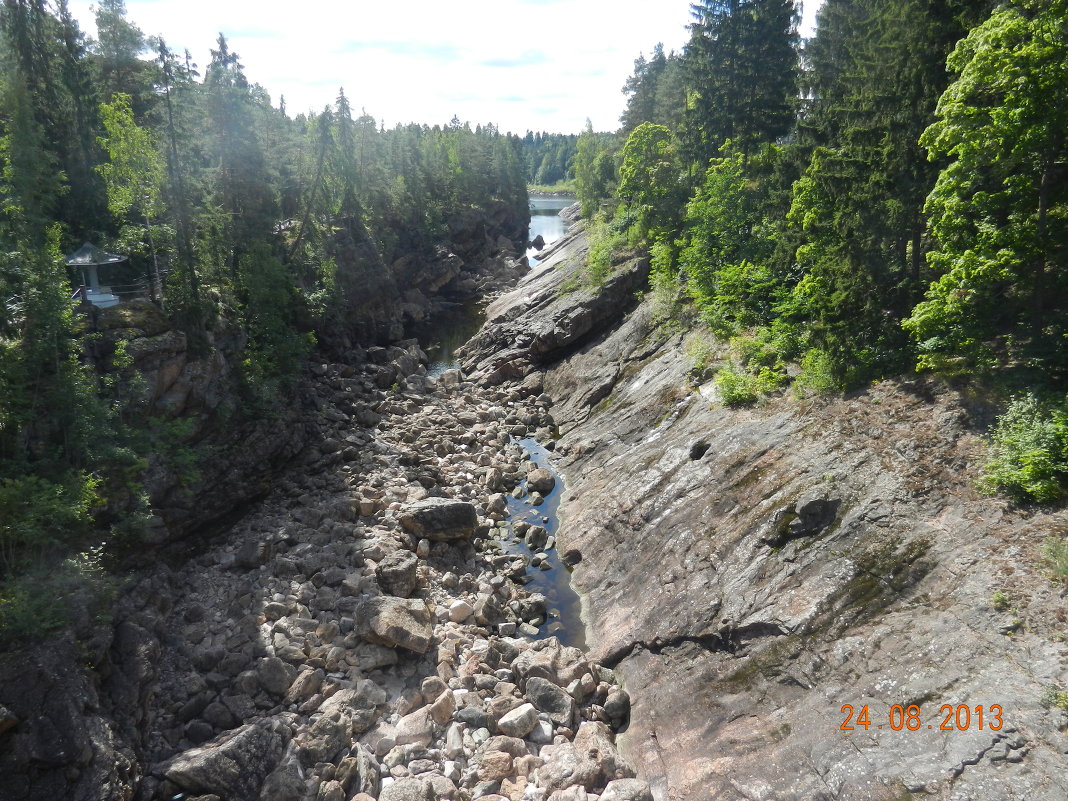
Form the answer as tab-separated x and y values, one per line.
742	75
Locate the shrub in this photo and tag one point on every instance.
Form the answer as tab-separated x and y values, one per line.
605	240
1027	453
817	374
736	386
1000	601
1055	553
740	387
35	604
701	355
1054	698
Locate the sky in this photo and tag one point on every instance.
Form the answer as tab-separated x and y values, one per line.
540	65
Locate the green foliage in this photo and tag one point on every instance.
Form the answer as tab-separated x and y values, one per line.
741	66
701	355
549	160
817	375
594	167
1000	601
729	241
1053	698
649	178
758	366
742	386
1027	452
78	591
134	173
39	516
606	239
999	207
1055	553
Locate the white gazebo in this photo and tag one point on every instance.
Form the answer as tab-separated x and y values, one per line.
88	259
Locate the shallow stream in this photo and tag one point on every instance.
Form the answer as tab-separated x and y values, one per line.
441	338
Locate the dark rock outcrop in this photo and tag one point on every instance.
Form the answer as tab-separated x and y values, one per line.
539	322
233	766
440	519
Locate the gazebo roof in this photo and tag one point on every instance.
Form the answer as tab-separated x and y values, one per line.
89	254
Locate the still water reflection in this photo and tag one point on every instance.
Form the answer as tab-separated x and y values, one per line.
545	220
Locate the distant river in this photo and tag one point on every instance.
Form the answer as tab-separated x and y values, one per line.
545	220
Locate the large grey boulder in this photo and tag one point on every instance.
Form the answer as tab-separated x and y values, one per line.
395	622
232	766
551	699
396	573
408	789
540	480
440	519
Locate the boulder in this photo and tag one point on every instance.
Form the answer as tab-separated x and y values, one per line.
440	519
519	722
396	573
233	765
591	760
460	610
415	727
395	622
286	781
617	708
331	791
408	789
274	675
551	699
358	772
540	480
627	790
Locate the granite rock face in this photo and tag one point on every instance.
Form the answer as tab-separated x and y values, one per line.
749	573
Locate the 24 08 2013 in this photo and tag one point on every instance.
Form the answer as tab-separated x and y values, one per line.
910	718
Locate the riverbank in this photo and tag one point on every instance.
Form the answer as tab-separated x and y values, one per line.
754	574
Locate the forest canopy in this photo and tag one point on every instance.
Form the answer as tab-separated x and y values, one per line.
226	207
889	195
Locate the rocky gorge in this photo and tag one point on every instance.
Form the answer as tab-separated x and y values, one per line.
366	631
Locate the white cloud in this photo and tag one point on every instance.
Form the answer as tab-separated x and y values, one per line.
520	64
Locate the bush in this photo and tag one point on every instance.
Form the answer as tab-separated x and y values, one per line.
1055	553
38	516
1052	698
736	386
76	592
740	387
605	240
701	355
817	374
1027	453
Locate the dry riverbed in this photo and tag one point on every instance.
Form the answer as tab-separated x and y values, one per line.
362	633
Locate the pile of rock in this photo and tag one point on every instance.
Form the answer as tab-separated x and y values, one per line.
361	635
